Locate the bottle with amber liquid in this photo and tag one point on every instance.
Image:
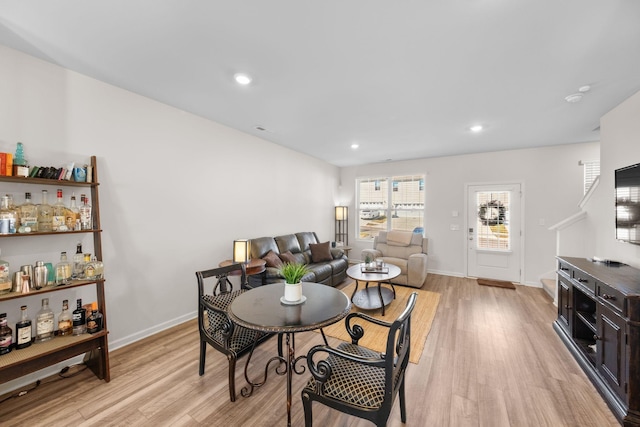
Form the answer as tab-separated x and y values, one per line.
59	218
28	215
65	323
23	329
6	335
45	213
73	215
94	321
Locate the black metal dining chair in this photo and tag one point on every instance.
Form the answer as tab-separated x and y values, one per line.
216	329
359	381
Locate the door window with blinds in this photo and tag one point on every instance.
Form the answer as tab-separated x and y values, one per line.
493	220
390	203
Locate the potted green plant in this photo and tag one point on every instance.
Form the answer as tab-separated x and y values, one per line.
368	262
293	273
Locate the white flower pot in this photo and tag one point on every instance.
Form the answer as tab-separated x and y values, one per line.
293	292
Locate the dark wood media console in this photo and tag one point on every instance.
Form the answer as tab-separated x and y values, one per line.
599	322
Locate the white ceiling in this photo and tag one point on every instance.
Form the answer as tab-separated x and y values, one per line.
403	79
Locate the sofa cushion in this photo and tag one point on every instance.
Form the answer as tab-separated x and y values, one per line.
262	245
272	259
287	257
322	271
320	252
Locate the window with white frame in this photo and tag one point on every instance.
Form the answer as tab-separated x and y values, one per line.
591	172
390	203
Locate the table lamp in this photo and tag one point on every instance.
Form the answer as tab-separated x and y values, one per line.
241	250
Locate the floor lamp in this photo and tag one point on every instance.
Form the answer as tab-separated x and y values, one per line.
342	224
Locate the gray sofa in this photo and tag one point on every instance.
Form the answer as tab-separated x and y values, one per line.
332	270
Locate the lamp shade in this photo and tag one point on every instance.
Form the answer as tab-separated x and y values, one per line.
241	250
342	213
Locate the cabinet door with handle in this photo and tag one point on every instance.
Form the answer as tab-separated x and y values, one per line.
564	303
611	349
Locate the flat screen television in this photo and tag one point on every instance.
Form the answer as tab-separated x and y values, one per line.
627	182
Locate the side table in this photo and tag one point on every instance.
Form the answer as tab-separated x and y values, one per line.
253	267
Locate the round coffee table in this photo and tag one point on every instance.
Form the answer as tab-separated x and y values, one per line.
372	298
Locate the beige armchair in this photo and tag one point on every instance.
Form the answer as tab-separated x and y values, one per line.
404	249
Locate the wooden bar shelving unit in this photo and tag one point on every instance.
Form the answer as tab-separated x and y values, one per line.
95	346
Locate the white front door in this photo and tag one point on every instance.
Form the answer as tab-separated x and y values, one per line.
493	231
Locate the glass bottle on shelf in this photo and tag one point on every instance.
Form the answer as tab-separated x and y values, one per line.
63	270
45	214
85	213
5	277
94	321
98	267
78	263
28	215
72	214
59	218
23	329
89	267
20	167
14	209
6	335
44	322
65	324
8	216
79	319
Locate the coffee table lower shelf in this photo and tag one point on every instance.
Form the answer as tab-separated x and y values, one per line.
369	298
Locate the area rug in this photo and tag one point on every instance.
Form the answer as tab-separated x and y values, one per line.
496	283
375	336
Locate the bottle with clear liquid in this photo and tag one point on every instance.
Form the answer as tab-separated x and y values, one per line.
6	335
45	213
28	215
79	319
63	270
44	322
85	214
23	329
8	216
89	267
59	218
65	323
78	263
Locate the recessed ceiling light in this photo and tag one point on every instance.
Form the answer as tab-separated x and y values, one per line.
242	79
573	98
354	146
476	128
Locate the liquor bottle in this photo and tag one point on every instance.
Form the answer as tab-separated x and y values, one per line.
20	167
63	270
78	263
23	329
98	267
13	208
44	322
28	215
45	213
65	324
79	319
89	267
5	277
6	335
8	216
73	214
94	321
85	213
59	218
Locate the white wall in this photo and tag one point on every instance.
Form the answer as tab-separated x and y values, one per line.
552	183
620	138
175	189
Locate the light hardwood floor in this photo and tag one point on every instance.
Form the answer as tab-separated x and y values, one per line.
491	359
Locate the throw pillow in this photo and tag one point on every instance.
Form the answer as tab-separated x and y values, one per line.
288	257
320	252
272	260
